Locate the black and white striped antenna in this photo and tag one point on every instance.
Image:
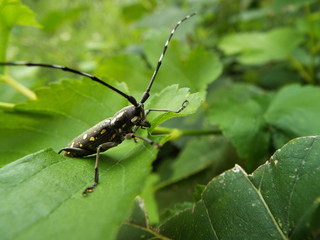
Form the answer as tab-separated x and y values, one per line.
146	94
66	69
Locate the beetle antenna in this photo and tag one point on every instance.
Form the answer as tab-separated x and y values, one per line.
146	94
66	69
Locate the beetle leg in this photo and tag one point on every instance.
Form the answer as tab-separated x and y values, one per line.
101	148
183	106
75	152
132	135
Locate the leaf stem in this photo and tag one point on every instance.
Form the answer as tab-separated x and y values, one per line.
6	106
177	133
13	83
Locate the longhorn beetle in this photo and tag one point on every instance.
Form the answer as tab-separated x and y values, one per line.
114	130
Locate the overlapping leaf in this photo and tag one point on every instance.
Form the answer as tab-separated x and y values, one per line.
246	115
273	202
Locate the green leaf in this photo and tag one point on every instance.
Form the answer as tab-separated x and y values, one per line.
12	12
290	185
191	223
133	11
260	48
251	118
148	196
238	110
293	111
178	186
198	192
172	98
198	154
44	190
54	19
137	226
55	118
271	203
121	67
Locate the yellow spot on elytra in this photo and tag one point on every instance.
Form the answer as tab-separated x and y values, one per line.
103	131
72	144
134	119
81	145
124	125
92	139
113	136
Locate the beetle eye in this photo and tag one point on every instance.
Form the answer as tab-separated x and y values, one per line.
145	123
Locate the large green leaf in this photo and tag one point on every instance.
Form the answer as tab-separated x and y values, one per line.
238	110
260	48
293	112
280	200
43	200
252	118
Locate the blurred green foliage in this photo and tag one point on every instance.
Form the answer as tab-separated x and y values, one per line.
249	68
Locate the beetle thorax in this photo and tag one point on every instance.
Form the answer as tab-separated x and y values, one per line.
130	116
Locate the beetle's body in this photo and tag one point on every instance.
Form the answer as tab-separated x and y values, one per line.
87	143
109	132
112	131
